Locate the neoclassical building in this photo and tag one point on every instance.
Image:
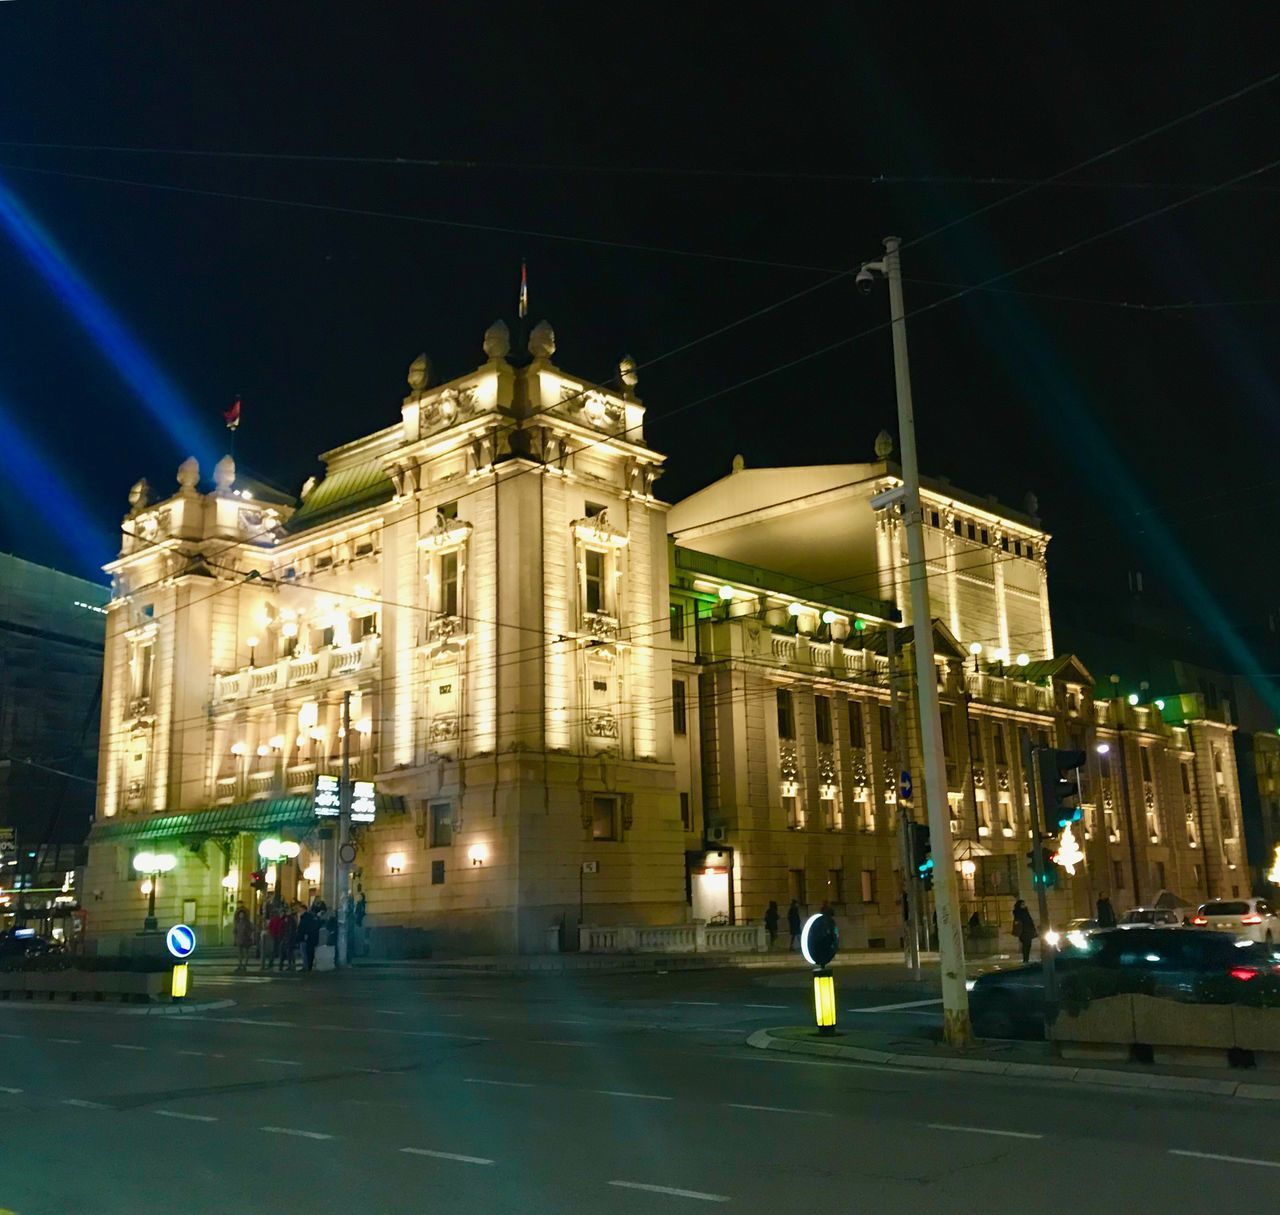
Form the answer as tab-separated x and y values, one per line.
580	706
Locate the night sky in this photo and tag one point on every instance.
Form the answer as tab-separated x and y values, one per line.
717	137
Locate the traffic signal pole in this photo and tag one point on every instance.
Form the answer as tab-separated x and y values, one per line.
955	999
343	867
910	878
1039	824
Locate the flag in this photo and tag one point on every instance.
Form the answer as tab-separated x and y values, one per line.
232	416
524	290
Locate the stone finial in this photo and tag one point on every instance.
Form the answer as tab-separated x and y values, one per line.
139	496
188	474
1031	504
627	374
884	445
542	341
497	340
419	373
307	486
739	463
224	474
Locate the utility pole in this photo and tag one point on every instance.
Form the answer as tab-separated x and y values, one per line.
955	1000
343	867
1031	756
910	878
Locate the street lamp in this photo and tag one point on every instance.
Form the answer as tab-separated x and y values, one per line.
253	649
153	864
276	852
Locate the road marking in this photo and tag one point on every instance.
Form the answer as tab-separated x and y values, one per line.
905	1073
393	1012
280	1062
6	1089
707	1003
666	1189
777	1109
18	1036
447	1156
188	1117
291	1130
1266	1164
764	1006
555	1042
85	1105
202	1054
499	1083
612	1092
895	1007
126	1046
67	1041
983	1130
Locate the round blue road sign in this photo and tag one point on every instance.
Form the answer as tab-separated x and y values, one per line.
181	941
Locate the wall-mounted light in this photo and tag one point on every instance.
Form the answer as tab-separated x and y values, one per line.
1133	698
239	748
477	854
276	742
308	714
263	749
1022	659
395	861
312	873
1103	748
364	726
968	868
726	593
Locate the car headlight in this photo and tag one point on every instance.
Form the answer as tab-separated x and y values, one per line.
1052	937
970	984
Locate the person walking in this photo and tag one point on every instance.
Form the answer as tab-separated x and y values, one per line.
273	954
309	935
1024	928
289	938
242	936
793	923
1106	914
771	921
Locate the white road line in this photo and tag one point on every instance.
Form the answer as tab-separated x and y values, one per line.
666	1189
555	1042
895	1007
188	1117
447	1156
126	1046
85	1105
202	1054
393	1012
18	1036
764	1006
983	1130
66	1041
905	1073
707	1003
280	1062
1266	1164
6	1089
612	1092
778	1109
499	1083
290	1130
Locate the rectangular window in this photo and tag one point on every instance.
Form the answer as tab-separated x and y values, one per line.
593	509
786	715
604	818
686	813
832	815
956	525
437	873
449	584
1104	766
975	741
886	729
1160	884
946	720
1195	875
441	824
835	887
1117	874
363	626
1145	757
997	738
143	667
857	735
679	721
986	538
448	511
795	886
791	810
868	885
822	710
971	532
677	622
933	518
594	564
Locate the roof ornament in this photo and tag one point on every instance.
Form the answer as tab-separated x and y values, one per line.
542	341
627	374
884	445
188	475
224	474
1031	504
497	340
139	496
739	463
307	486
419	373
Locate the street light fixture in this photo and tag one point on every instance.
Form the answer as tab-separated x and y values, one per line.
153	864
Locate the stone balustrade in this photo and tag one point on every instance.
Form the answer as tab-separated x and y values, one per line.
697	937
328	663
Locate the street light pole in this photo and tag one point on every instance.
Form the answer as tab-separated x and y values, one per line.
150	923
955	1000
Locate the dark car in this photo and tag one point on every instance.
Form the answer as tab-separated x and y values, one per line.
25	943
1010	1003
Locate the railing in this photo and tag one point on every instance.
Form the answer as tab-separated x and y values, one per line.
736	938
784	649
697	937
300	775
819	654
224	788
262	782
327	663
1003	689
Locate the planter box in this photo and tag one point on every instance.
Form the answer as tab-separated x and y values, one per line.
1256	1029
1106	1020
1158	1022
86	985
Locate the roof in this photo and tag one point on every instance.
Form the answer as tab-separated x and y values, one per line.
295	813
343	493
1044	669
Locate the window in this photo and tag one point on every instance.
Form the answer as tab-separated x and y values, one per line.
832	815
835	887
997	739
441	824
143	668
1117	874
822	709
448	511
971	532
956	526
594	564
679	722
868	885
593	509
975	741
1004	543
437	873
1145	757
1160	883
449	584
795	886
946	719
677	622
786	715
791	809
857	735
886	729
1017	548
686	813
933	518
986	538
1104	766
364	626
604	818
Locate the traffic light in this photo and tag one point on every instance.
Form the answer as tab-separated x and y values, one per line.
258	879
1059	796
1047	868
922	853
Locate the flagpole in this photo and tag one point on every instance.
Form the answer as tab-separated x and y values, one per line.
522	310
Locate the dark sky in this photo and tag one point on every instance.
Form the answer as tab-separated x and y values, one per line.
752	133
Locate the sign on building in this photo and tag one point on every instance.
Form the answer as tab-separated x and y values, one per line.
327	797
363	801
8	845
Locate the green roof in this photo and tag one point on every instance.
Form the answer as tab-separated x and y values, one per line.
343	493
295	813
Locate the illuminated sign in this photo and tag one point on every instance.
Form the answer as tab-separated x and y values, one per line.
363	801
181	941
327	797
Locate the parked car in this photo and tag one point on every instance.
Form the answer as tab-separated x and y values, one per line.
1010	1003
1150	916
1252	918
25	943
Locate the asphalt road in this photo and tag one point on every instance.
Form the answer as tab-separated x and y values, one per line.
368	1093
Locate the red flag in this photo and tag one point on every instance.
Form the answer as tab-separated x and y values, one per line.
524	290
232	416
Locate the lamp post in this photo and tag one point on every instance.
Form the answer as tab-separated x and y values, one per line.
153	864
955	999
276	852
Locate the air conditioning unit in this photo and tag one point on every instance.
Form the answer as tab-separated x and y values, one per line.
717	835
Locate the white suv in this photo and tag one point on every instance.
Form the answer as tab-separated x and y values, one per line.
1254	919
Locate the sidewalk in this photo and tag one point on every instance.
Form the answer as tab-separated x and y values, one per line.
1023	1060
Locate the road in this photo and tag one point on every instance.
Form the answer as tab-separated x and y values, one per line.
391	1092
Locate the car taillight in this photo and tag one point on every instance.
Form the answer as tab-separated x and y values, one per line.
1199	919
1244	973
1251	919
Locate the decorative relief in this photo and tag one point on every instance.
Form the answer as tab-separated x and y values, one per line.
598	530
826	767
861	777
602	725
601	627
449	406
788	762
599	410
1002	779
443	729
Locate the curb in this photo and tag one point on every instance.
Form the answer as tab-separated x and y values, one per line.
765	1039
134	1010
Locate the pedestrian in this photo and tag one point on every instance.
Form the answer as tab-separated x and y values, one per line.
309	935
771	921
242	934
1024	928
358	947
793	923
1106	916
289	937
975	922
273	954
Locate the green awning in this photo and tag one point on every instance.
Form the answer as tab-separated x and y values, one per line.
267	815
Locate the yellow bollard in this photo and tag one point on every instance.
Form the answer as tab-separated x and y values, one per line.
178	983
824	1001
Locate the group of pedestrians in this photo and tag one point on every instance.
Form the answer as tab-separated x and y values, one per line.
795	919
1024	927
285	931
